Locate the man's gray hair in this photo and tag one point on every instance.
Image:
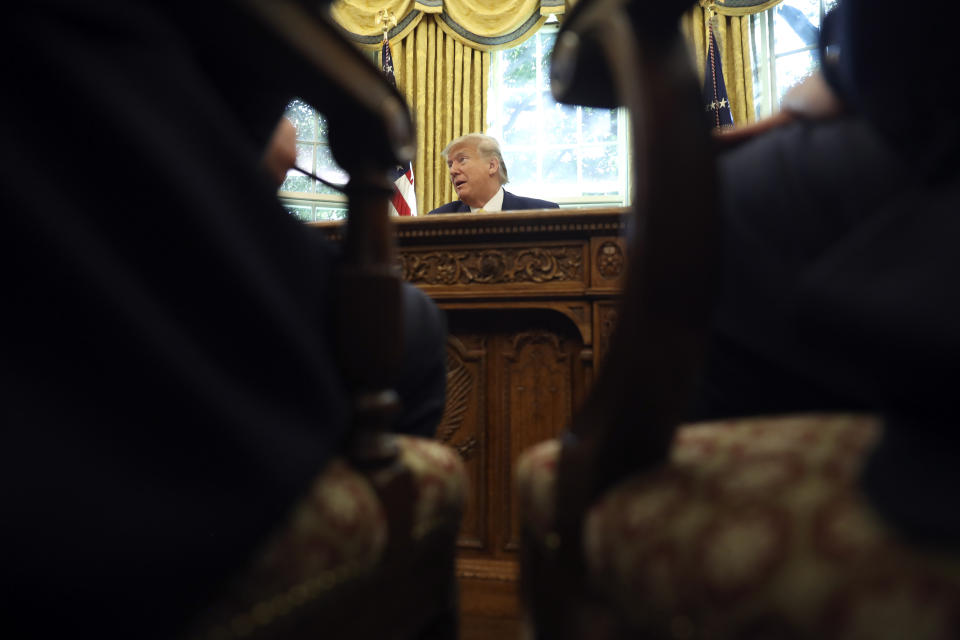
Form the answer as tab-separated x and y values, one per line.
488	148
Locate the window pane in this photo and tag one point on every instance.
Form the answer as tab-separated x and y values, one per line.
599	125
303	118
521	166
303	213
520	118
793	68
561	122
761	89
328	169
519	65
796	25
296	182
330	213
547	40
324	129
600	165
560	166
305	156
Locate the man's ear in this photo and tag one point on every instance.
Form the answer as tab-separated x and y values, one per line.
494	166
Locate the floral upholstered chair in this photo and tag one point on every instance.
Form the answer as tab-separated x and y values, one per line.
363	555
755	528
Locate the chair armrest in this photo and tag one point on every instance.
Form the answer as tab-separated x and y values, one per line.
354	542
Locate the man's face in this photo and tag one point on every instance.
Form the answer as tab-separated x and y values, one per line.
475	178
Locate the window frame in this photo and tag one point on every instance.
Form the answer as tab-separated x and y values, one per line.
762	25
312	199
496	95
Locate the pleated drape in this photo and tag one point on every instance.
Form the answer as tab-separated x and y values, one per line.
445	85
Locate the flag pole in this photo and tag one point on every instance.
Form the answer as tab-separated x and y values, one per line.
714	87
403	201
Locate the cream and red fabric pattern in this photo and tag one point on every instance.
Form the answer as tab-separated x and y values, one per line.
338	532
755	528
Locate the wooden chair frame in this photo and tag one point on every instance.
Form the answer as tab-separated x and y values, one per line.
608	53
412	592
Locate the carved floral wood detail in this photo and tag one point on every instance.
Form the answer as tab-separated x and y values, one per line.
463	426
466	448
537	401
525	338
459	385
610	260
493	266
608	322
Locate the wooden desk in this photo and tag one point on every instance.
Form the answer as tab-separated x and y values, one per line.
530	302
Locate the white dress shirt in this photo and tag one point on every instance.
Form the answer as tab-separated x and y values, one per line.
493	204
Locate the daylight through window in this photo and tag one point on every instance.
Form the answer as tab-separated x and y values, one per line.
576	156
785	49
304	197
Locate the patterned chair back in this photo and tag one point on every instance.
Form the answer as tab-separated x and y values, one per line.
635	526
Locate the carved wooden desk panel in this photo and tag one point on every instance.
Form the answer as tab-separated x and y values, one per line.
530	302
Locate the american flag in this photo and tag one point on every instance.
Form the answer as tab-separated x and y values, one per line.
403	202
714	89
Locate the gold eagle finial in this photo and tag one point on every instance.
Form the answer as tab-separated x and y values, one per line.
386	20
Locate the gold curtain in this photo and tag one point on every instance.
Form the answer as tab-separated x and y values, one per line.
441	52
441	55
733	40
445	84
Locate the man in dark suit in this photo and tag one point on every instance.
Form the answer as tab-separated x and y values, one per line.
478	174
170	385
838	279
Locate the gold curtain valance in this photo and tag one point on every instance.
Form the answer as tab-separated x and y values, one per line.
484	25
359	18
741	7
